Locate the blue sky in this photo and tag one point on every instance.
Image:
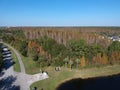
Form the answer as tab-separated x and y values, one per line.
59	12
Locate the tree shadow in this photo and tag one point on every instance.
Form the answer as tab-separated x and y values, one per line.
7	52
7	64
97	83
7	83
1	73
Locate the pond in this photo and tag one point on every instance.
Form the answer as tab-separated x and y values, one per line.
97	83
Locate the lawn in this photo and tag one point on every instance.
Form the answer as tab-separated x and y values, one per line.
57	77
30	66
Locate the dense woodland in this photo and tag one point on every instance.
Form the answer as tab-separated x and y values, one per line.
69	47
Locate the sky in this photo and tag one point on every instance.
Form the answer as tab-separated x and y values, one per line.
59	12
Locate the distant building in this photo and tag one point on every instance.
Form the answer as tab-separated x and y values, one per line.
115	38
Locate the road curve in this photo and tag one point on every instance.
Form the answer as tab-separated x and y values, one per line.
18	56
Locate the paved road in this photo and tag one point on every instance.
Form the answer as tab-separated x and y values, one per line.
11	80
19	58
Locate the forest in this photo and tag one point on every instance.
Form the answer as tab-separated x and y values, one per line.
75	48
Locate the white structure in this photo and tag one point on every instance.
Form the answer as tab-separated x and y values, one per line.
115	38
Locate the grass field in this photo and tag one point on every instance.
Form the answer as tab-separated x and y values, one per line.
57	77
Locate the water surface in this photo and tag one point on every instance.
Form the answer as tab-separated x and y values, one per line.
98	83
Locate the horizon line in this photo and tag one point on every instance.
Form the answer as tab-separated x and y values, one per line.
57	26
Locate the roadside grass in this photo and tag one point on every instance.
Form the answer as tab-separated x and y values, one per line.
57	77
16	64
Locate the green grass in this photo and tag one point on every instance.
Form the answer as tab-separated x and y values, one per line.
30	65
56	78
16	65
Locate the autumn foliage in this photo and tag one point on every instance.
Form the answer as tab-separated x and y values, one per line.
82	62
50	46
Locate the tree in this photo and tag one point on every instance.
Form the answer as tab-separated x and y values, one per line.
70	63
42	61
94	50
35	57
77	62
98	58
8	38
58	61
77	48
23	48
33	53
52	47
82	62
105	59
66	60
115	46
114	51
18	34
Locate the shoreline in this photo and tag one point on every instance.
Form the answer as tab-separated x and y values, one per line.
108	70
107	74
66	74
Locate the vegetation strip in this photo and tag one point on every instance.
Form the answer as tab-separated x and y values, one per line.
16	62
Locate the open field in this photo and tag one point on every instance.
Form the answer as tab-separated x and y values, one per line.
57	77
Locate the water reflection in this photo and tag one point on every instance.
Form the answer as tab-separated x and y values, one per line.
98	83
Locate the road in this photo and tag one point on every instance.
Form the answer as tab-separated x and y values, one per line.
11	80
